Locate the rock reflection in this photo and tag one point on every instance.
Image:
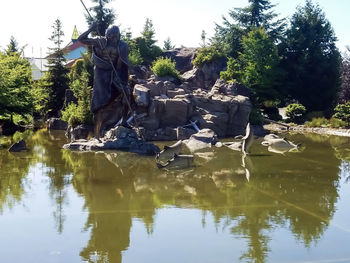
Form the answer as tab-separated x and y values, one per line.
119	187
296	191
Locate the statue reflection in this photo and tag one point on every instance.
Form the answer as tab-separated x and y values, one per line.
119	187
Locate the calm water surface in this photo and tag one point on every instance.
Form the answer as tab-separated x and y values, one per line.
63	206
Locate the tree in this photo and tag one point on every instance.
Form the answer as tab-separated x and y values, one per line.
345	86
203	38
257	14
312	59
256	66
148	33
168	45
146	44
12	47
102	15
15	85
57	75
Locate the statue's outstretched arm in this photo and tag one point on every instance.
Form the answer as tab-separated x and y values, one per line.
85	39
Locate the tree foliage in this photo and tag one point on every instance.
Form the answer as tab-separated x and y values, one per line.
148	33
257	14
57	75
312	59
12	46
342	112
168	45
256	66
15	85
345	86
102	15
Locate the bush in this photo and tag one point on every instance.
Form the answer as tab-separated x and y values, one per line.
342	112
336	123
207	54
135	57
296	112
76	114
164	67
317	122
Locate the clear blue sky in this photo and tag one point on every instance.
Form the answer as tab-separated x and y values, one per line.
30	21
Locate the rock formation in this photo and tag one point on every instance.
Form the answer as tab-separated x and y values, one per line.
168	105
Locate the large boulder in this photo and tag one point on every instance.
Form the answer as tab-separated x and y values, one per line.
57	124
205	76
176	112
232	88
141	95
140	71
203	139
79	132
18	146
183	58
119	138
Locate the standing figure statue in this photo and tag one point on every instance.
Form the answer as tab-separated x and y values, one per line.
111	95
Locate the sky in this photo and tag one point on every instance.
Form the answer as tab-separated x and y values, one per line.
30	21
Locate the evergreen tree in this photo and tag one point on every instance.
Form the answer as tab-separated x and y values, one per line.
145	45
312	59
203	38
57	75
102	15
345	86
12	47
257	14
168	45
148	33
256	66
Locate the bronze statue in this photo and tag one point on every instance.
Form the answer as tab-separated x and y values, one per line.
111	95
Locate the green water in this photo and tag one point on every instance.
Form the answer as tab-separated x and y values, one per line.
62	206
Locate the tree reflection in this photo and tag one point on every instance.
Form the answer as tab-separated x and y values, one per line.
14	167
48	149
297	190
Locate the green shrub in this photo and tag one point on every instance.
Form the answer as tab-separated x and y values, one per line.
317	122
164	67
207	54
336	123
295	112
342	112
76	114
135	57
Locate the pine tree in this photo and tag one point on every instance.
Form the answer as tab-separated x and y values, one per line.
57	75
257	14
12	47
256	66
168	45
345	86
312	59
102	15
203	38
148	33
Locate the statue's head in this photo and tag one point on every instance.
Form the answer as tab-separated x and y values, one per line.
113	34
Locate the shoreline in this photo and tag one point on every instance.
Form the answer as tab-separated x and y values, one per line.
302	129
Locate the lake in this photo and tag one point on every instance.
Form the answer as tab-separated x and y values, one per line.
62	206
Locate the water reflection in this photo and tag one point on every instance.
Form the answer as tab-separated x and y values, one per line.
297	191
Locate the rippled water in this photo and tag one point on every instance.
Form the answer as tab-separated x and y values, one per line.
63	206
